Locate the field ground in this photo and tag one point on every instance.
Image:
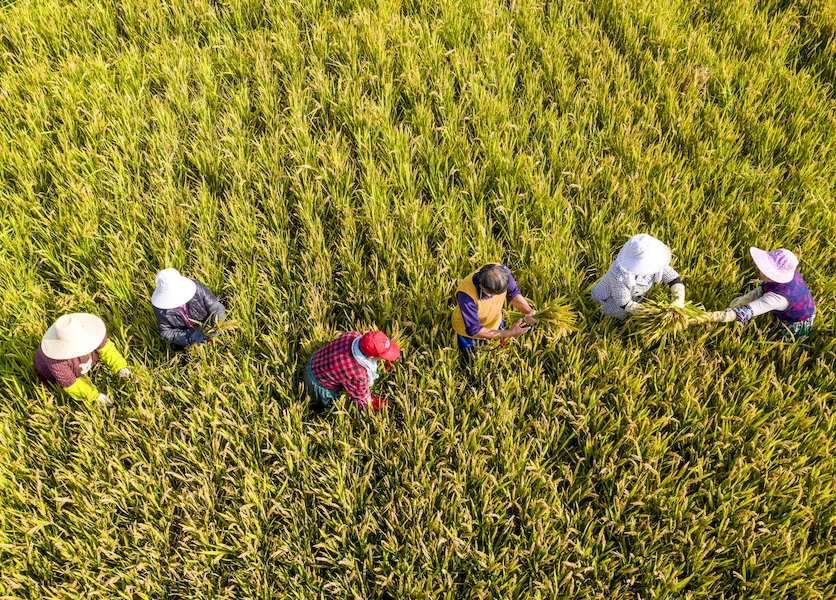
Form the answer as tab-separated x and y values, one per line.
326	166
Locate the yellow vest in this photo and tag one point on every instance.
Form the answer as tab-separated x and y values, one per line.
488	309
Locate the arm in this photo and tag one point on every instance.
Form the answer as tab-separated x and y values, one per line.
358	390
215	311
81	391
619	292
112	357
521	304
516	330
747	298
516	299
766	303
175	335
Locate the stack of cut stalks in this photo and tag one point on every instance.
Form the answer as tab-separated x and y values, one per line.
656	320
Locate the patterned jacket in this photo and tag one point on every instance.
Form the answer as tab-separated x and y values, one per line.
618	287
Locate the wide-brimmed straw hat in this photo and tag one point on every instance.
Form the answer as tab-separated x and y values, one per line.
779	265
643	255
173	289
72	336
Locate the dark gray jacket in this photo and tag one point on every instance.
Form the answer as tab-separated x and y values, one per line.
181	325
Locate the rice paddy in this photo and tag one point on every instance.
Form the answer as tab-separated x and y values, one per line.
325	167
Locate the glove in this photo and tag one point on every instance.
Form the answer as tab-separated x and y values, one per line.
387	365
678	291
124	372
378	404
723	316
747	298
105	400
196	336
632	307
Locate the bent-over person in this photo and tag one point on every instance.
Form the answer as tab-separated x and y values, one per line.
182	306
70	348
480	298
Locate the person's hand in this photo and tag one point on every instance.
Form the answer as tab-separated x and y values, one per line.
105	400
529	318
196	336
723	316
378	404
678	292
124	372
746	298
632	308
517	329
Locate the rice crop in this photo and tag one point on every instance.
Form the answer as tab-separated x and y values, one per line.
333	166
558	315
655	320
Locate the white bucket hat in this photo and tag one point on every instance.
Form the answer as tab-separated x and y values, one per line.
173	289
643	255
72	336
779	265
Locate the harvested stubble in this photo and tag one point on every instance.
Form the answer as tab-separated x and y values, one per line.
559	315
656	320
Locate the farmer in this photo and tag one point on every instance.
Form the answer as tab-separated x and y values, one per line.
348	363
479	301
782	292
70	348
182	307
641	262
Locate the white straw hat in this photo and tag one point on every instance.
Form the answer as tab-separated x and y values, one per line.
173	289
72	336
643	255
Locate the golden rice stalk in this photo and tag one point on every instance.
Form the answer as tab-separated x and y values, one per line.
558	315
219	327
655	320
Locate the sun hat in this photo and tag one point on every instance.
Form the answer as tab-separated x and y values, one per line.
72	336
173	289
779	265
643	255
375	344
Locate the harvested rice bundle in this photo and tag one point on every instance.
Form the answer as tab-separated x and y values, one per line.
558	314
655	320
219	327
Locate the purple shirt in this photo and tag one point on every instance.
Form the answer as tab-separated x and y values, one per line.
470	314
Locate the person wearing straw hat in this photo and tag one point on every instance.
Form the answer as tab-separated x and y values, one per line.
70	348
641	262
349	363
782	292
182	307
480	298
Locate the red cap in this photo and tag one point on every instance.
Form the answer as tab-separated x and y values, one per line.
375	344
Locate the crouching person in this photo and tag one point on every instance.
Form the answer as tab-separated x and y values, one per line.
782	292
641	262
182	306
348	363
70	348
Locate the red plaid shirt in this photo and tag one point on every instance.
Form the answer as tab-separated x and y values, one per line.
335	367
63	372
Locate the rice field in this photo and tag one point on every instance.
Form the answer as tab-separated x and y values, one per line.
333	166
